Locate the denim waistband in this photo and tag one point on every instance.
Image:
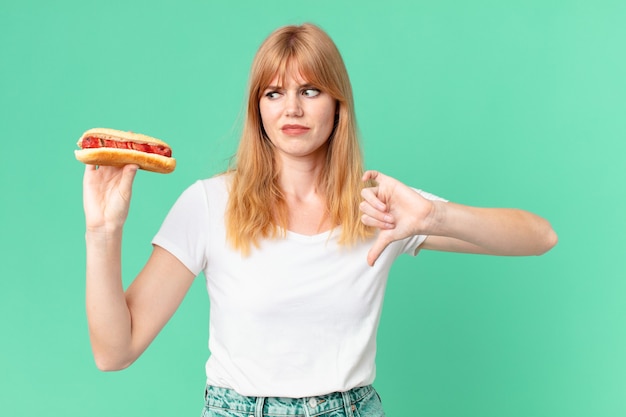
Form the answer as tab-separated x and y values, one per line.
228	399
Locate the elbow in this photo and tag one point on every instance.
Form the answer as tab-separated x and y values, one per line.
549	240
109	357
109	367
107	363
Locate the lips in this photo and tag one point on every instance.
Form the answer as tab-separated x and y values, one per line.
294	130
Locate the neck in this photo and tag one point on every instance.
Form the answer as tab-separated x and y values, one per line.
299	179
306	202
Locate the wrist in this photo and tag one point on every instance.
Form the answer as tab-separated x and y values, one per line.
435	220
103	233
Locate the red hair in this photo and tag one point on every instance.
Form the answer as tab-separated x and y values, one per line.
256	207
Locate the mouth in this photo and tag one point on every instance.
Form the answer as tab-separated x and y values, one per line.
294	129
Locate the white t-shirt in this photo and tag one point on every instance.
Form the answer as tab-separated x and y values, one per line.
297	317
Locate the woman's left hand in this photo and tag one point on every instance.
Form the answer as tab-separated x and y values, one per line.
397	210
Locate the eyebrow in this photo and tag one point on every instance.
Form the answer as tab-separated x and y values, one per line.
300	87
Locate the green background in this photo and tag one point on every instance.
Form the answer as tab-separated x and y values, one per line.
488	103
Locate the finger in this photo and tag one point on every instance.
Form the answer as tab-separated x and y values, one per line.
379	224
375	251
128	176
88	173
89	170
370	195
384	217
370	175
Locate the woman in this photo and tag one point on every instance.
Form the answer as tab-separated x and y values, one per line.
295	241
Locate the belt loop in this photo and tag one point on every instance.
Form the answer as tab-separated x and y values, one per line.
305	407
258	410
347	404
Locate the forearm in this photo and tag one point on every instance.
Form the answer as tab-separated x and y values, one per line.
510	232
108	315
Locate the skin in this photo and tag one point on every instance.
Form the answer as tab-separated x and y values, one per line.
123	323
398	211
298	119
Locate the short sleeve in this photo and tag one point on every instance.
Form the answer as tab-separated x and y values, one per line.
184	232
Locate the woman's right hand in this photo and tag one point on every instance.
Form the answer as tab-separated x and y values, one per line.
122	323
106	196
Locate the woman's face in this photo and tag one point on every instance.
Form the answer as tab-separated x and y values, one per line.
297	117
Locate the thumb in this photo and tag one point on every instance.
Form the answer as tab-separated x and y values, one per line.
377	248
128	176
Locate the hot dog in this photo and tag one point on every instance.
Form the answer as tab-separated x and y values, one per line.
102	146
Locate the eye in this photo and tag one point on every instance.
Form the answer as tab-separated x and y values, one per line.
311	92
272	94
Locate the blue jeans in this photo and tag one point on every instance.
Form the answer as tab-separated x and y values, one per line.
358	402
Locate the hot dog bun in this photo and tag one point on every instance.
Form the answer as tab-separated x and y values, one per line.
108	153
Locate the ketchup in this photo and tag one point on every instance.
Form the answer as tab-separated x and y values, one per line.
92	142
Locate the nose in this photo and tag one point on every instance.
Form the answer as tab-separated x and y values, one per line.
293	107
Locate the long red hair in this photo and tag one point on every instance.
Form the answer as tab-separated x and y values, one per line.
256	208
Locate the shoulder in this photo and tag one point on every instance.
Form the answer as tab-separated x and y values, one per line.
218	184
205	191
